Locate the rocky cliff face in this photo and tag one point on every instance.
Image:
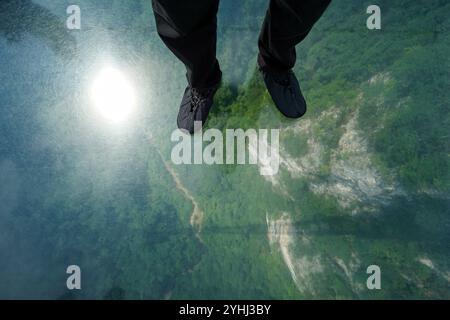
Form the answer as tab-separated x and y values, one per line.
284	237
352	177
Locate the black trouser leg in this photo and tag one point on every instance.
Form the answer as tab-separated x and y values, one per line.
188	28
286	24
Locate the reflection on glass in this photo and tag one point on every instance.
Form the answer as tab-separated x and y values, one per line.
364	176
113	95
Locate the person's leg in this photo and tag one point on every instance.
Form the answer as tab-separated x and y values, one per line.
188	28
286	24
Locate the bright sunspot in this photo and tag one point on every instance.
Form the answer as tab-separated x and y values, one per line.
113	95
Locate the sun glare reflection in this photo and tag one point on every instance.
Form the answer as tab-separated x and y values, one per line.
113	95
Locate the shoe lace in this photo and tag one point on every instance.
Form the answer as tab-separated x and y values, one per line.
198	97
284	79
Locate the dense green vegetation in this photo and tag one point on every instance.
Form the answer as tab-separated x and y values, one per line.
79	192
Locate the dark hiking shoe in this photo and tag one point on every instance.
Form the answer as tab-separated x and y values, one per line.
285	92
195	107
